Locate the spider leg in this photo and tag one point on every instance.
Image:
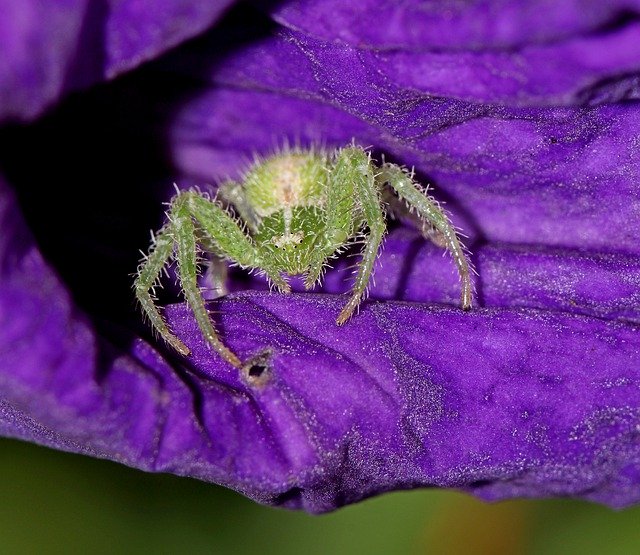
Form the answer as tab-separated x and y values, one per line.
398	209
185	237
366	190
339	222
148	274
315	270
433	215
231	240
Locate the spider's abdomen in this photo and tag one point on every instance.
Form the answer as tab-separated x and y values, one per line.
289	241
285	181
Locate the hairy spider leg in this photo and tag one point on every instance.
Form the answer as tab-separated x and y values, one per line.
340	216
232	242
429	210
148	274
186	255
397	208
226	234
361	172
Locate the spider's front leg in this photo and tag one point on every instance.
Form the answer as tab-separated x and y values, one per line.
431	213
215	229
232	193
363	177
186	255
224	233
339	212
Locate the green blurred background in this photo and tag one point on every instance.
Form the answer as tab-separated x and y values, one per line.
55	502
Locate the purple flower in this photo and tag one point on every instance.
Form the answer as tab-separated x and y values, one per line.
524	115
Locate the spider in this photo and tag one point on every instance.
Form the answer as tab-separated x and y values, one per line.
294	211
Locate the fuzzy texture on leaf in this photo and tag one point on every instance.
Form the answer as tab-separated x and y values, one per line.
525	118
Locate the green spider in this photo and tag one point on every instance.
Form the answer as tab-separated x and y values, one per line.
295	210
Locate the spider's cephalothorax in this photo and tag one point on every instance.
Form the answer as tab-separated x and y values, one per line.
295	210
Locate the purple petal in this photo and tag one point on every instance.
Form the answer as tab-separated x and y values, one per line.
391	400
564	73
138	31
451	25
394	399
53	47
409	269
533	393
583	69
548	176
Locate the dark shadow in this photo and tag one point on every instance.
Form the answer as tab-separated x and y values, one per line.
291	499
92	174
619	20
616	88
407	264
90	60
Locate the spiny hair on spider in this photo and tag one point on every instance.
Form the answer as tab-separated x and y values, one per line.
289	215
